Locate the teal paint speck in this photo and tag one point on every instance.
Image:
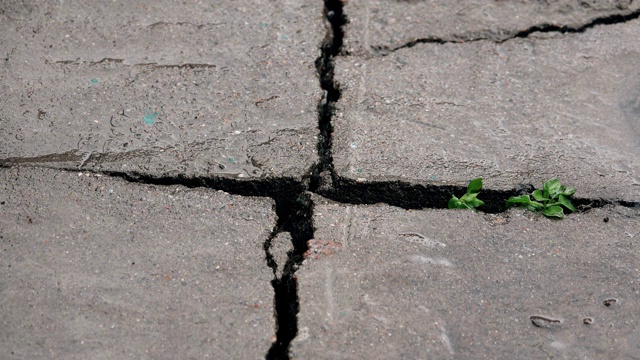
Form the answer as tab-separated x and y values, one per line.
94	81
231	160
150	118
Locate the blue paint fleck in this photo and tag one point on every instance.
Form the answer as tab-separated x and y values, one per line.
150	118
231	160
94	81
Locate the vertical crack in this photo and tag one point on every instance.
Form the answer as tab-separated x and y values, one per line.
331	47
295	213
294	209
295	217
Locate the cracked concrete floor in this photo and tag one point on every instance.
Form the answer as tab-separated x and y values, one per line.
190	180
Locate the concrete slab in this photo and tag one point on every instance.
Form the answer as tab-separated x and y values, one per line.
379	26
161	87
522	111
386	283
98	268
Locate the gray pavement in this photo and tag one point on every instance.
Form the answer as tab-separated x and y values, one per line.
158	88
100	268
379	26
121	122
386	283
521	111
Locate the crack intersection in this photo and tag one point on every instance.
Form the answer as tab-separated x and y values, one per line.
293	204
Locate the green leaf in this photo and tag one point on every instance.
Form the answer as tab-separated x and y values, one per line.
470	199
474	186
474	203
568	191
455	203
550	200
553	211
524	201
537	194
518	200
564	201
534	206
551	188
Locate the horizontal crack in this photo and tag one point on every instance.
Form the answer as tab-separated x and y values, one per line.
402	194
604	20
151	64
428	196
382	50
183	23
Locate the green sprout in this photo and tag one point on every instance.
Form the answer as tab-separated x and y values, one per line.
470	199
550	200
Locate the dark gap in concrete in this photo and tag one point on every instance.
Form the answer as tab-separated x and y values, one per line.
406	195
382	50
604	20
287	305
428	196
324	181
294	207
330	48
543	28
271	262
629	204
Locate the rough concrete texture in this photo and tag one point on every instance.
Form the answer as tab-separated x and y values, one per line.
438	284
380	26
522	111
161	87
98	268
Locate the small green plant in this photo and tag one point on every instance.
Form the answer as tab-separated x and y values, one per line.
550	200
470	199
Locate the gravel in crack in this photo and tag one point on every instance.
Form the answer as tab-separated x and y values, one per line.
321	248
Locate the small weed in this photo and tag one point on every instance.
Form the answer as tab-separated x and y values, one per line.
550	200
470	199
